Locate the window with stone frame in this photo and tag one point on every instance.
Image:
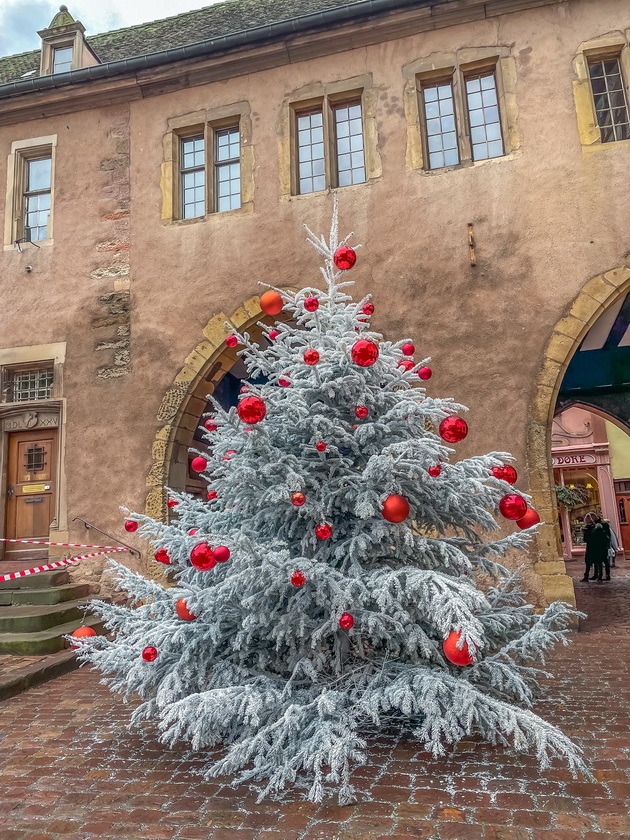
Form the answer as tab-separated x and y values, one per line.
27	383
30	195
609	97
209	170
62	58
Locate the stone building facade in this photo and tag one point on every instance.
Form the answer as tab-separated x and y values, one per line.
490	196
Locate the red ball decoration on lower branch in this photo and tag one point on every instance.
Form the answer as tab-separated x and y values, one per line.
513	506
368	309
212	494
505	473
531	518
183	612
425	373
395	508
231	341
162	556
221	553
311	357
172	503
323	531
453	429
202	557
251	409
408	349
149	654
435	470
458	656
361	411
131	525
298	498
271	302
198	464
82	633
298	578
311	304
346	622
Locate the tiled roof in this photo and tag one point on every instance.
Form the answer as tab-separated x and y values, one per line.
210	22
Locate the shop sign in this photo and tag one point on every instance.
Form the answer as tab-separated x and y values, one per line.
573	460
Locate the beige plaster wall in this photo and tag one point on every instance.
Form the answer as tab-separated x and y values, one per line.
546	219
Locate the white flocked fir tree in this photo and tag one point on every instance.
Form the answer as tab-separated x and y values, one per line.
259	664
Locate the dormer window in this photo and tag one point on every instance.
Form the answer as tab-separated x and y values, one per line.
62	59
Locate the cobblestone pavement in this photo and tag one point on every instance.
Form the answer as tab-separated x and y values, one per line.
69	771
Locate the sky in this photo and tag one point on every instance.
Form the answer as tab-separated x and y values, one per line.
20	19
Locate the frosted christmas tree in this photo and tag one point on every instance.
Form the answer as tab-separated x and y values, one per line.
328	583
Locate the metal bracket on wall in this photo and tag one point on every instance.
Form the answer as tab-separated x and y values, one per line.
471	245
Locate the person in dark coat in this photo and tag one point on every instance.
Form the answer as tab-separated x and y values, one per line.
597	540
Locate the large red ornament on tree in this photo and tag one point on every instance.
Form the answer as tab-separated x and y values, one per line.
323	531
298	498
221	553
320	446
367	309
183	612
161	555
458	656
408	349
364	352
198	464
172	503
361	411
231	341
505	473
311	357
298	578
346	622
82	633
131	525
271	302
453	429
202	557
435	470
149	654
251	410
407	364
210	425
311	304
425	373
212	494
513	506
531	518
395	508
344	257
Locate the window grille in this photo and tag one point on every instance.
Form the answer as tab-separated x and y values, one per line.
311	166
622	512
62	60
35	459
483	115
611	105
193	177
439	113
349	138
37	198
227	163
30	385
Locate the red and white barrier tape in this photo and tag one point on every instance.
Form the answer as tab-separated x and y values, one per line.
69	545
58	564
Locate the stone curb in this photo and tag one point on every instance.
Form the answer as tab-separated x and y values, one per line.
40	672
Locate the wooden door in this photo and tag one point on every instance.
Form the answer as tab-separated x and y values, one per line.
31	490
623	506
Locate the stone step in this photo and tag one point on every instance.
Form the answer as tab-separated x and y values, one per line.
33	618
41	580
51	595
46	641
35	671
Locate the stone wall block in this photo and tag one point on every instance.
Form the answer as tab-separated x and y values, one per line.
618	276
216	330
171	402
119	269
559	347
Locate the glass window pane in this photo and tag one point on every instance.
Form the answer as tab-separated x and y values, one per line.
38	174
483	117
438	102
62	60
609	96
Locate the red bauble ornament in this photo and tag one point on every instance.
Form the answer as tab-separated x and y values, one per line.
131	525
505	473
311	304
82	633
395	508
161	555
531	518
149	654
344	257
210	425
425	373
273	334
346	621
364	352
311	357
458	656
221	553
361	411
198	464
407	364
212	494
284	382
231	341
408	349
202	558
298	499
435	471
298	578
453	429
183	612
271	302
323	531
192	532
513	506
368	309
172	503
320	446
251	410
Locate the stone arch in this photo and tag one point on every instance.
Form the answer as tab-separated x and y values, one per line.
184	400
598	294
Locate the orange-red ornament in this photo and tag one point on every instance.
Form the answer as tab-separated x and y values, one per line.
453	429
271	302
458	656
395	508
183	612
530	518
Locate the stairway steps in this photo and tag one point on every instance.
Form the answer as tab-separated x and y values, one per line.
51	595
38	581
46	641
33	618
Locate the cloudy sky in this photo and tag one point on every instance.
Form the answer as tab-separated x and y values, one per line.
20	19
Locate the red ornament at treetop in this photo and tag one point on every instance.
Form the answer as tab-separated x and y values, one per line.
273	334
395	508
531	518
271	302
161	555
361	411
183	612
202	557
311	357
131	525
210	425
82	633
298	499
513	506
367	309
346	622
149	654
231	341
298	578
311	304
344	257
407	364
425	373
435	471
408	349
198	464
320	446
364	352
505	473
251	409
323	531
453	429
284	382
172	503
458	656
221	553
212	494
